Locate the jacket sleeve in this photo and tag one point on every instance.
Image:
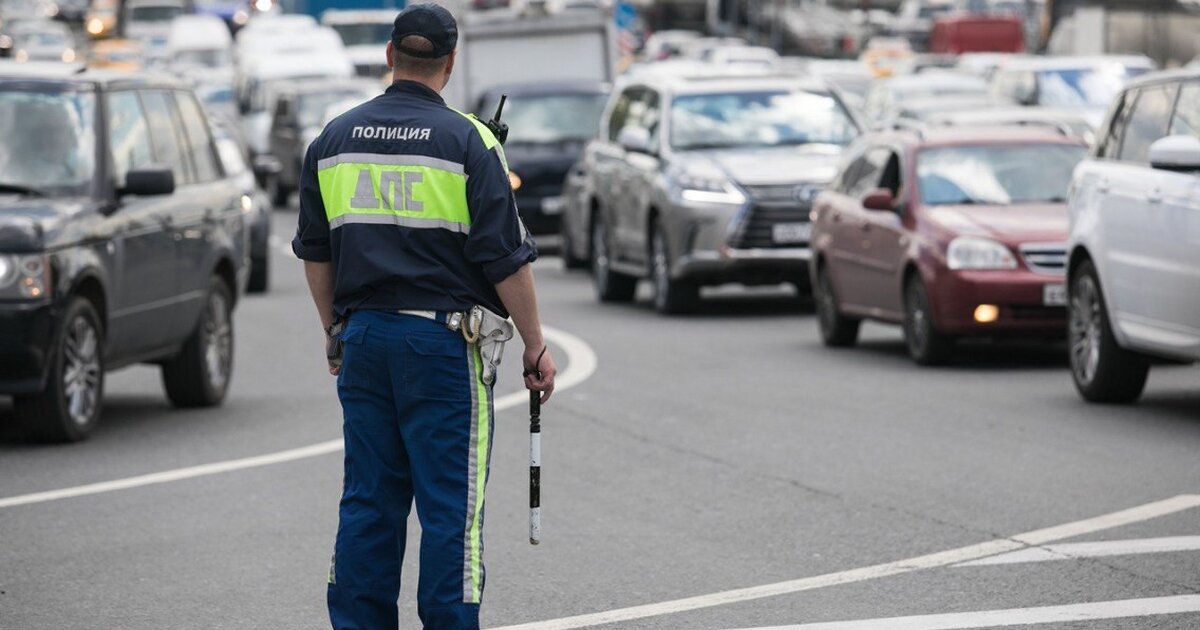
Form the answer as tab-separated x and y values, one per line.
498	241
312	233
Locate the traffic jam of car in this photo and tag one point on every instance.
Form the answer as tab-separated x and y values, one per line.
944	181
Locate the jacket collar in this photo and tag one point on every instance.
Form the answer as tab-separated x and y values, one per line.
414	88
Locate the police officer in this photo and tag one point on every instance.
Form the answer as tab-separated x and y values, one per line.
407	220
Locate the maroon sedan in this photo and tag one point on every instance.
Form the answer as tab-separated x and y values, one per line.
949	232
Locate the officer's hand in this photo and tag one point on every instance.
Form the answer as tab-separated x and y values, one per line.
539	374
334	368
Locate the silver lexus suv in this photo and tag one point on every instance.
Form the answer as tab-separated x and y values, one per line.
705	180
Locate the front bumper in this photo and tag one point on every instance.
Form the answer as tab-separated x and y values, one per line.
26	346
542	213
1020	295
746	266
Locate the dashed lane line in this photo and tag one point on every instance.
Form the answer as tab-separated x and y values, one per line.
1096	549
581	364
1034	538
1096	611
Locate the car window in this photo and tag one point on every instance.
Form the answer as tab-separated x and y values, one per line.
890	176
1148	122
620	113
164	134
1111	142
1186	121
200	145
868	176
128	135
49	139
652	116
996	175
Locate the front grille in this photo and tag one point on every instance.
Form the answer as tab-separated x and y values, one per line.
773	204
757	227
1047	258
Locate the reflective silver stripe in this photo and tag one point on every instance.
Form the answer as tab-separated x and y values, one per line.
472	481
391	160
391	219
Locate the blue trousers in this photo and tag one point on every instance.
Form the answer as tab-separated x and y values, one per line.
418	426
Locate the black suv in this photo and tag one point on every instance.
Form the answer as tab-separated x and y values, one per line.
121	241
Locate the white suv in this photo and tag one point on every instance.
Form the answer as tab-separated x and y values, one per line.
1134	272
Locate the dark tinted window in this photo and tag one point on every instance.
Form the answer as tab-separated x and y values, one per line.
1186	121
868	175
200	145
128	135
165	133
620	112
1148	122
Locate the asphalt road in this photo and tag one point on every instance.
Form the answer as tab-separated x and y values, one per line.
726	450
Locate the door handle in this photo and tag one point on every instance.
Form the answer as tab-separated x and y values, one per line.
1102	185
837	217
864	226
1155	195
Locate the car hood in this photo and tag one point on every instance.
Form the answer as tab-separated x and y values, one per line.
35	224
1012	225
782	165
543	165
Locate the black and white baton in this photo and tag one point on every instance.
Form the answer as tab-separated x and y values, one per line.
535	467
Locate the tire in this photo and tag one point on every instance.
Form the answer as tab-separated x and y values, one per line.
1103	371
570	260
672	296
69	407
837	330
611	286
260	274
199	375
279	193
925	344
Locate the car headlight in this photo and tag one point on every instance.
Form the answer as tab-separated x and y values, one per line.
26	276
698	188
247	204
68	55
969	252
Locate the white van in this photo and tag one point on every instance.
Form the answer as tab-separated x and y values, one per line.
200	48
365	33
255	81
149	22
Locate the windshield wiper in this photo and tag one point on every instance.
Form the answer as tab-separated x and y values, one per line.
21	190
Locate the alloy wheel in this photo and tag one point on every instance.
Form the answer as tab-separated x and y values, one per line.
218	341
661	269
1085	329
81	370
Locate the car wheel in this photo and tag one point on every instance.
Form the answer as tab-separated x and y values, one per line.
260	274
837	330
570	260
611	286
672	296
68	409
1102	370
279	193
925	344
199	375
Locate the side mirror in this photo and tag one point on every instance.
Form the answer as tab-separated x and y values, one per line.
1176	153
880	199
149	181
634	139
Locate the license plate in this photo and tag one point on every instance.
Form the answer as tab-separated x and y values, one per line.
791	232
553	205
1054	295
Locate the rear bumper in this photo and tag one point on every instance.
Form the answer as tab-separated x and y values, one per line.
1020	296
26	343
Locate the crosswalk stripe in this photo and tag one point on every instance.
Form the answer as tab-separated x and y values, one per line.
1120	609
1098	549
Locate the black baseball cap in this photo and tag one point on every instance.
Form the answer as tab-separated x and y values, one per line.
431	21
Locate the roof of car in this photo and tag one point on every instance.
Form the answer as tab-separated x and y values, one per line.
357	16
1167	76
309	85
930	136
76	75
550	87
698	78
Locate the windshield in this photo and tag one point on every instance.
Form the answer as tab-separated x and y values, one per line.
208	58
47	141
364	34
312	106
758	119
997	175
550	118
1084	87
154	14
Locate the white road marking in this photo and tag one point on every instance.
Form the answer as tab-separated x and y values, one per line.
1120	609
1098	549
898	567
581	364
